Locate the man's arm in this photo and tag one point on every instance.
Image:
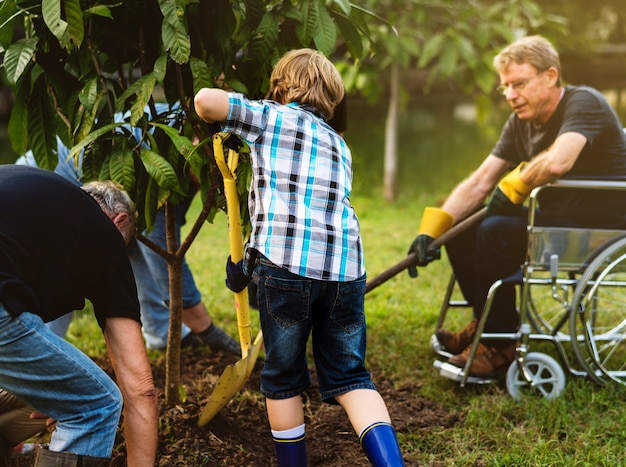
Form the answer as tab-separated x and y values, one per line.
472	192
134	378
211	104
555	161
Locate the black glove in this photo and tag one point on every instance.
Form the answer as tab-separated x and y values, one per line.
233	142
423	253
501	205
236	279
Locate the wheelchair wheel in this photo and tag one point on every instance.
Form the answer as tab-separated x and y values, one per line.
547	377
598	316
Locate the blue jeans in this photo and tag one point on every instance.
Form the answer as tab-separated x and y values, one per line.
292	307
56	378
152	277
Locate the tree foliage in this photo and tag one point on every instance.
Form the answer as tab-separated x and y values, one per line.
74	64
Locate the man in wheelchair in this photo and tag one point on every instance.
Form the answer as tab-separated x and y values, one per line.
554	131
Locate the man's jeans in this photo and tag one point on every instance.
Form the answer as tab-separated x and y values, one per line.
56	378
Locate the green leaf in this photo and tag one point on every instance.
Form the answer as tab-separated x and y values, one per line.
351	36
74	17
172	13
160	68
237	85
138	88
17	58
144	93
264	38
18	122
98	10
122	168
88	95
41	130
183	145
151	203
432	48
325	33
306	29
87	119
93	136
51	12
8	13
200	74
176	42
159	169
344	6
448	62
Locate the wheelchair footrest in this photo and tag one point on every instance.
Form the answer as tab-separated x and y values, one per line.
455	373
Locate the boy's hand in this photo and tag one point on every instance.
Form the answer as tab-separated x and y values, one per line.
236	279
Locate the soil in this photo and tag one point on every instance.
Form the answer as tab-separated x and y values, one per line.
239	435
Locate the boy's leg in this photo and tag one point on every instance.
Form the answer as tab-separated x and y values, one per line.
368	414
286	417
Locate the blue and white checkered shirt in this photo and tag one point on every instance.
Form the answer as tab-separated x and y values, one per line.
299	203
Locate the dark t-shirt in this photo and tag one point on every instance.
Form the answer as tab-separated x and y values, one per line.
57	247
582	110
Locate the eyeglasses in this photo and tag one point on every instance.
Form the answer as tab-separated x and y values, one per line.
517	86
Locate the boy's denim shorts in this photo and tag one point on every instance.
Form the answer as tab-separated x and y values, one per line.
293	307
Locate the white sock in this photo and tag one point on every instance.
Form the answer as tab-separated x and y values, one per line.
291	433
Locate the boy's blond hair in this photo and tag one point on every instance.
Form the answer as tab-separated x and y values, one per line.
307	77
534	50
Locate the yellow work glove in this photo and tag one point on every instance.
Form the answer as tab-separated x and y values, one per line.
509	195
435	222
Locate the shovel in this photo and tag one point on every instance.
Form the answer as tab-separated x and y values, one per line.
234	376
436	243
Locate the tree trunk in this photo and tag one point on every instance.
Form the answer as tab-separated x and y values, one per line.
391	137
175	270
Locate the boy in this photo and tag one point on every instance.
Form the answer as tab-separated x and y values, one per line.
309	265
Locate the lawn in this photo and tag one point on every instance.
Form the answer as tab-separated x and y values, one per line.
584	427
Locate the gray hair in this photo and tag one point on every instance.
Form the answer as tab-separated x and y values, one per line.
114	200
534	50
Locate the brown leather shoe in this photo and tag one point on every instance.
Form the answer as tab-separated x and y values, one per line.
456	342
488	361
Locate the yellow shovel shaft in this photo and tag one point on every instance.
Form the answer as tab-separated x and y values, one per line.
234	234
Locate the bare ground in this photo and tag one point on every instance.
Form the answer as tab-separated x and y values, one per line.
239	435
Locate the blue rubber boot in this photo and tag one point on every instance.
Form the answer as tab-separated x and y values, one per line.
380	443
291	452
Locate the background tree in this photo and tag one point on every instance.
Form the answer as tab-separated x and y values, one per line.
452	42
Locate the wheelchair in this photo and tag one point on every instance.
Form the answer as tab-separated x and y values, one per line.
571	293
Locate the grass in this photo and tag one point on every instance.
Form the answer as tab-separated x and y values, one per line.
584	427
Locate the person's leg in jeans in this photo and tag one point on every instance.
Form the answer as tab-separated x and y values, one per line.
195	315
155	311
54	377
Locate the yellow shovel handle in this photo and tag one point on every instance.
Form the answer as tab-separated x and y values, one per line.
234	232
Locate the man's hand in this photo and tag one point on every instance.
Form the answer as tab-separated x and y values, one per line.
435	222
236	279
37	414
501	205
423	253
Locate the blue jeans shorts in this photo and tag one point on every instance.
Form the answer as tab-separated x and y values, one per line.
291	309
